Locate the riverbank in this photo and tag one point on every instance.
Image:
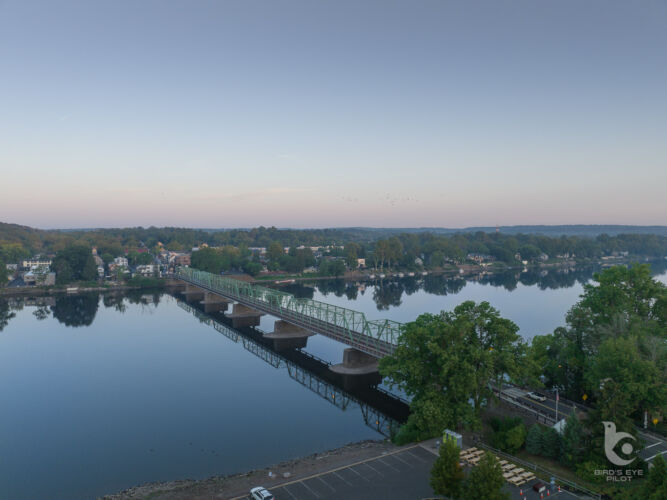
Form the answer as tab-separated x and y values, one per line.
36	291
234	485
465	270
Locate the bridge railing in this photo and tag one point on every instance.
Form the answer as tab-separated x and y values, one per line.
280	302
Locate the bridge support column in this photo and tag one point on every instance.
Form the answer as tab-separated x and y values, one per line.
213	302
288	336
244	316
357	369
193	293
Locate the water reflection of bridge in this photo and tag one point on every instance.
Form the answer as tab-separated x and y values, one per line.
313	373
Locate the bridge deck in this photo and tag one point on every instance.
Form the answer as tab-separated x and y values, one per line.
377	338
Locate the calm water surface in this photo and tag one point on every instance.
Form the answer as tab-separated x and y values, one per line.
100	393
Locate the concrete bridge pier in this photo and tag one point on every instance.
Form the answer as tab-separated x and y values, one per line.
288	336
244	316
213	302
192	292
358	369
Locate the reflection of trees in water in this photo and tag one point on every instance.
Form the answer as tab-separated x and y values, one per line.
336	286
79	310
299	290
41	313
5	314
506	280
410	285
116	301
443	285
388	294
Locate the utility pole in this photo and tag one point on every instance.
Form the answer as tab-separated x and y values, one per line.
557	419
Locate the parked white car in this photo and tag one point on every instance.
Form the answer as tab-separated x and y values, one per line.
261	493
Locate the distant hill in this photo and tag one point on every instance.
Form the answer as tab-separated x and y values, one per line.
22	240
590	230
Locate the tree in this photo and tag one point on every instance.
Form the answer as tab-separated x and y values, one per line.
351	255
74	263
656	481
624	384
3	274
551	443
654	487
447	474
447	360
534	440
486	480
573	441
515	438
275	251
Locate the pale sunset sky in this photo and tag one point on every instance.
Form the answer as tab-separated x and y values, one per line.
332	113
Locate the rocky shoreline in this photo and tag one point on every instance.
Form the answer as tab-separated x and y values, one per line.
233	485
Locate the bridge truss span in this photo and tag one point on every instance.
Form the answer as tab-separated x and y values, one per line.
375	337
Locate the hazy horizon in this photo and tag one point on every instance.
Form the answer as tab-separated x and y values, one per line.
410	228
332	114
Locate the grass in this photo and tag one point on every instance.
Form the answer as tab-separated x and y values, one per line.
557	468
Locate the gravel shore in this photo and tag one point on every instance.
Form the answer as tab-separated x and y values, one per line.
238	484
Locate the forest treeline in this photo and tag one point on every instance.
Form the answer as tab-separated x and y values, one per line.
20	241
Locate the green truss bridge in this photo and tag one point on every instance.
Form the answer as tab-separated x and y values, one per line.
377	338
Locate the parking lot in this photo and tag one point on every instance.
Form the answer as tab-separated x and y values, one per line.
401	475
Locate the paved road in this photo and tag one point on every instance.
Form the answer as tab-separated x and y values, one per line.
402	475
654	446
548	407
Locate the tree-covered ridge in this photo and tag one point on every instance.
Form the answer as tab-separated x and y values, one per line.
382	247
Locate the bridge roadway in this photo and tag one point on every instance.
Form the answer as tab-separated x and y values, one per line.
377	338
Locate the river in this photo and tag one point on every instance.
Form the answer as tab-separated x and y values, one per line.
101	392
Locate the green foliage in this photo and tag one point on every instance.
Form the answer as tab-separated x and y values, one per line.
574	441
534	440
3	273
447	475
551	443
145	282
453	245
252	268
74	263
334	267
351	255
515	438
544	441
13	253
509	434
486	480
612	349
447	360
275	251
